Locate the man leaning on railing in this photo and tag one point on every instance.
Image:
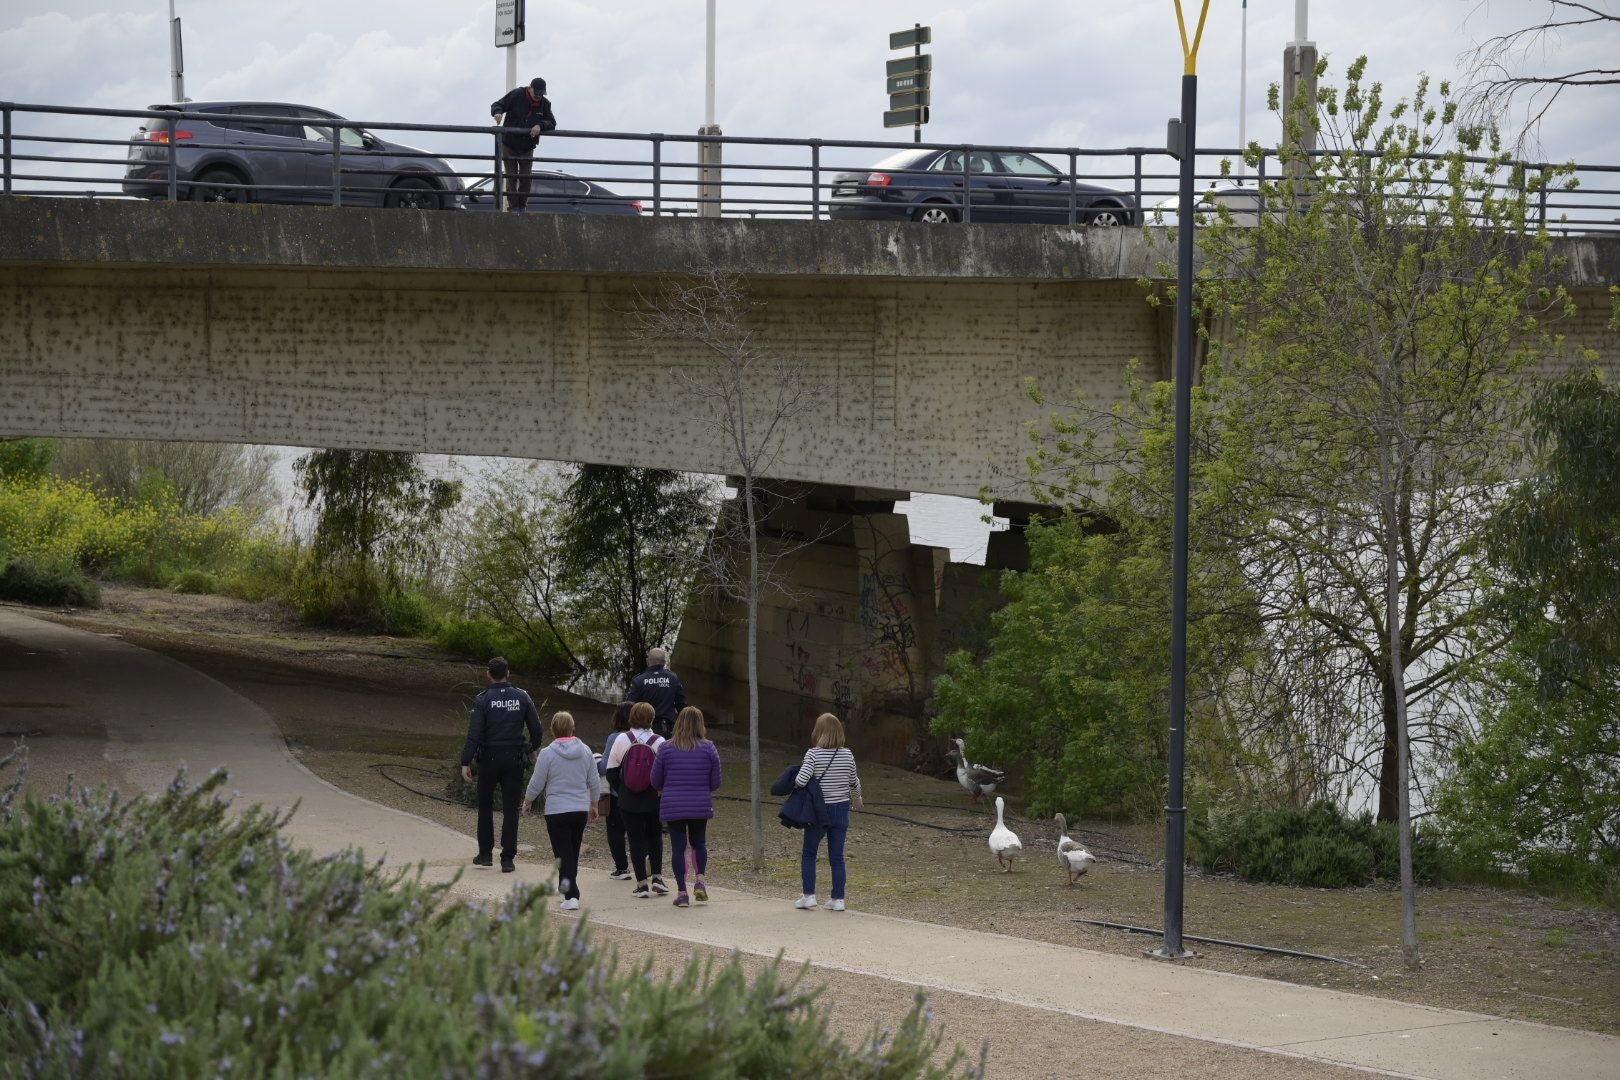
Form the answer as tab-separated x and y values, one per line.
525	107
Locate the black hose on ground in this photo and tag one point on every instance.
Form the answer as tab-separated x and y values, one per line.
1222	941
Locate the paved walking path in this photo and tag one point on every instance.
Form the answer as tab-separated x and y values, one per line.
160	713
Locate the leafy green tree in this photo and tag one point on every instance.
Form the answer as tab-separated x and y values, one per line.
1541	782
377	534
1384	326
634	541
513	567
376	507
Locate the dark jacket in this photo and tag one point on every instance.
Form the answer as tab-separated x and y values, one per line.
661	688
686	780
521	111
500	716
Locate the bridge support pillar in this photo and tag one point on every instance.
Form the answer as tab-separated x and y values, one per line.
847	622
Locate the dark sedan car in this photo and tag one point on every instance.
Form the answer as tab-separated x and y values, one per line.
926	185
262	151
557	193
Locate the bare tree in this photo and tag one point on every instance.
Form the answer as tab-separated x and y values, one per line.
1526	66
203	478
749	399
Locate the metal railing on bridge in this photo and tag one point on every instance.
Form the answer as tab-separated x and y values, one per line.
278	153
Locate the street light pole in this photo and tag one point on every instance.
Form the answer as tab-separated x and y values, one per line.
1243	93
177	63
711	202
708	69
1175	830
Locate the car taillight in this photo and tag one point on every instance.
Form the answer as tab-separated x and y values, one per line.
162	135
637	204
878	179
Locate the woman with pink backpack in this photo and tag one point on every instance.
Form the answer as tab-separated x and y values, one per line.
629	773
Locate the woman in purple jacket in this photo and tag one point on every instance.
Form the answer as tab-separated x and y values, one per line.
687	774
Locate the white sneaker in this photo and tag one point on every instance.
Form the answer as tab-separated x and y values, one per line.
571	904
836	905
805	902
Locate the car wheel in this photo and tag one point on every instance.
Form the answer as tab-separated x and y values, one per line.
412	193
1109	217
210	187
934	213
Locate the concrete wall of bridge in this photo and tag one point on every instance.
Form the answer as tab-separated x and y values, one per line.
494	335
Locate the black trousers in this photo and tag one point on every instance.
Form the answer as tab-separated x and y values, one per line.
567	833
646	842
518	167
615	831
504	766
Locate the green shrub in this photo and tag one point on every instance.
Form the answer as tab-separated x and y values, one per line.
195	581
407	613
166	936
262	570
29	582
1318	846
480	639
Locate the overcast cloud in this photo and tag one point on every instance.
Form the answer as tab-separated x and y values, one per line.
1006	71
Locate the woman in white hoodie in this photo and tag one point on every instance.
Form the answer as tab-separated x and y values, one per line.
566	774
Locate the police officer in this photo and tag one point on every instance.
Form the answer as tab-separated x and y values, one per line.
661	688
500	716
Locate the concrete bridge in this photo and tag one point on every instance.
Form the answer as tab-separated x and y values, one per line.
512	336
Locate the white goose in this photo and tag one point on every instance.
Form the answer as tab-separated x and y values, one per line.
1003	841
1076	860
978	780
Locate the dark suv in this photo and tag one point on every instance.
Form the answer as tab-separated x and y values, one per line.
261	151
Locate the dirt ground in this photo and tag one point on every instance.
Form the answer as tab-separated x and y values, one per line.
385	719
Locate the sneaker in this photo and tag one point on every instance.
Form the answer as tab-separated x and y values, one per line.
805	902
640	893
571	904
620	875
506	866
483	860
659	887
681	900
836	905
700	892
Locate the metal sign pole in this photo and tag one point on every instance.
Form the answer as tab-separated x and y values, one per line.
916	129
908	80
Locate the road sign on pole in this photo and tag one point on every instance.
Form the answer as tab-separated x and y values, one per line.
908	80
906	117
917	80
907	65
916	36
508	22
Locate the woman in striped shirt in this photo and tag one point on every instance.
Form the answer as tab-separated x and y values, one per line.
829	761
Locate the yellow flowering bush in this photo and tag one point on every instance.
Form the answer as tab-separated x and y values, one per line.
60	523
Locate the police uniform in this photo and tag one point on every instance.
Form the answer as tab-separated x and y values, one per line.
661	688
495	739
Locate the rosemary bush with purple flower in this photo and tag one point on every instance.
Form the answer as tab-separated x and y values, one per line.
168	936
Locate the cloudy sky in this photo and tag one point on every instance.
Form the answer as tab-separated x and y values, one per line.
1006	71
